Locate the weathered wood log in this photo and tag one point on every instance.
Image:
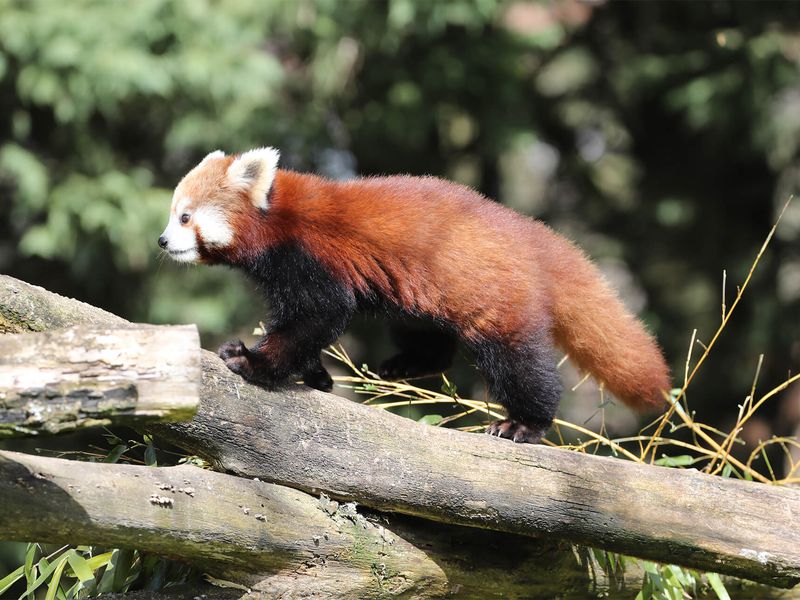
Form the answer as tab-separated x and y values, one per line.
25	308
313	441
477	562
83	376
270	537
319	442
277	540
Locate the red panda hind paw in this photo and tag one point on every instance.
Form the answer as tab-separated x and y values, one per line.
319	379
516	431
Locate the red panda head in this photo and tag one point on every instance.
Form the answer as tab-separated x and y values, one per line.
210	196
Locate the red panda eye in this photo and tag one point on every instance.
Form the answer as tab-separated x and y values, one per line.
185	218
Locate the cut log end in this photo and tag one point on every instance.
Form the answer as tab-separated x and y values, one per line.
80	377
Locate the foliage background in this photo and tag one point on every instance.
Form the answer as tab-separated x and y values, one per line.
662	137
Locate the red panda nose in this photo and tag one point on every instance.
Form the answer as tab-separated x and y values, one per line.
162	241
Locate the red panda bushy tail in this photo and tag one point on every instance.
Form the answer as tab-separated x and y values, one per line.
599	333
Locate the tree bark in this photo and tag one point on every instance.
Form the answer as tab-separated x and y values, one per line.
80	377
319	442
270	537
276	540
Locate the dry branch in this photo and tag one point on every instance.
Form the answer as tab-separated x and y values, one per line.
319	442
83	376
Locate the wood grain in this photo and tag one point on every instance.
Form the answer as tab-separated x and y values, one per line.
85	376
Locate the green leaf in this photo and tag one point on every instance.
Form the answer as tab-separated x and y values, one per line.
124	564
79	566
116	453
12	578
111	437
106	584
684	460
73	591
45	569
98	561
716	584
431	419
150	458
449	388
56	579
30	573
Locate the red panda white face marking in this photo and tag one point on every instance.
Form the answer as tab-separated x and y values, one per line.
179	239
209	194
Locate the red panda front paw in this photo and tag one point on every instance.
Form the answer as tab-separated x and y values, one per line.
240	365
231	349
237	358
514	430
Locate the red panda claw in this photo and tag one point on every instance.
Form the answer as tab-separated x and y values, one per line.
515	431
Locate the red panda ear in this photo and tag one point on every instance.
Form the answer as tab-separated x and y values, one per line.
212	155
254	171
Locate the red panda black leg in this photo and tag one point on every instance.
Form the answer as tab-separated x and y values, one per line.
423	351
310	309
524	379
290	350
235	354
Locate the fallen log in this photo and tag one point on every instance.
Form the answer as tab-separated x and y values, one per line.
276	540
83	376
273	538
319	442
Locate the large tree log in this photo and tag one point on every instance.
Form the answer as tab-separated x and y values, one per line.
79	377
279	541
318	442
270	537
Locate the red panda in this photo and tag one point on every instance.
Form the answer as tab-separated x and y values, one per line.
507	285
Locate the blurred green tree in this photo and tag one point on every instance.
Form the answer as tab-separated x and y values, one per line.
662	137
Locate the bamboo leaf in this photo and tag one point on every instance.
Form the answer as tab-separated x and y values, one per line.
98	561
430	419
56	579
30	573
79	566
106	584
716	584
10	579
116	453
124	564
683	460
45	569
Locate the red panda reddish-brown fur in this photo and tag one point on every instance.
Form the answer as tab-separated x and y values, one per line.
492	292
437	249
599	334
